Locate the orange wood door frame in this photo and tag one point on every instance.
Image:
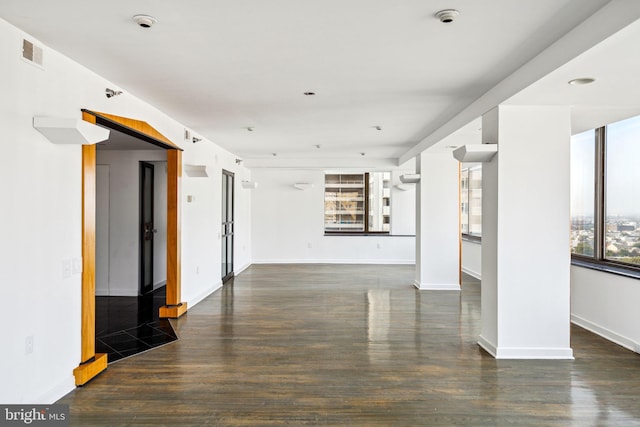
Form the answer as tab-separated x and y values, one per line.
91	364
174	308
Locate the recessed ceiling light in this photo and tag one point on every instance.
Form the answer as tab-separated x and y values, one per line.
447	16
582	81
309	93
145	21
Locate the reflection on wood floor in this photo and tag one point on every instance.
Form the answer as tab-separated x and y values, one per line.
352	345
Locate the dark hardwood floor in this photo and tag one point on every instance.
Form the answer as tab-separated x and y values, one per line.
353	345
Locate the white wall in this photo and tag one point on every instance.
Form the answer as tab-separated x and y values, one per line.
288	224
438	222
124	217
526	269
472	258
202	220
40	221
606	304
160	224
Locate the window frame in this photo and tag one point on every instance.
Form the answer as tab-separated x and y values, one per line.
468	236
599	260
366	206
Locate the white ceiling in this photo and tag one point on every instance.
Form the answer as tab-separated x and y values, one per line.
220	67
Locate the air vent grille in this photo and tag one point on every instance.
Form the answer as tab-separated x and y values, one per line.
32	52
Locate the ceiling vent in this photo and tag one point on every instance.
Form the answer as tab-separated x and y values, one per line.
32	53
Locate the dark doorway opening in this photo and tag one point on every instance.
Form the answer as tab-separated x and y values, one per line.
147	229
227	224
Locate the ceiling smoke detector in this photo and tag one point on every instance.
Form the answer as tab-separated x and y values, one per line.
447	16
145	21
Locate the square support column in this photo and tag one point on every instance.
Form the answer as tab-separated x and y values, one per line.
437	222
525	234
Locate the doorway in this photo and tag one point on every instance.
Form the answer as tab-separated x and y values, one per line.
227	225
146	229
92	363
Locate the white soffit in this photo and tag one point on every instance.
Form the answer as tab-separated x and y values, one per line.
70	131
473	153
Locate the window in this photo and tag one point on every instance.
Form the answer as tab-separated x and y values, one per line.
471	202
357	203
605	182
583	162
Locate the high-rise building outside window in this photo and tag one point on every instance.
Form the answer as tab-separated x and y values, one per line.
357	203
622	192
471	201
583	163
605	184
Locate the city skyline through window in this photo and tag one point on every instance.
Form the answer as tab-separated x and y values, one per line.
605	207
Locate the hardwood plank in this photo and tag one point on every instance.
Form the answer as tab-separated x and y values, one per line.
358	346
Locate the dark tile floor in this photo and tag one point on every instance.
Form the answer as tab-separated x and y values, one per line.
129	325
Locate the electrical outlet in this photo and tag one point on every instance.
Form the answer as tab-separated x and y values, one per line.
28	345
66	269
197	269
309	245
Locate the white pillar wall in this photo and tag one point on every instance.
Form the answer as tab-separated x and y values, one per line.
525	234
437	222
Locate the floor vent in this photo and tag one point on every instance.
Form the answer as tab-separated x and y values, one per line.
32	53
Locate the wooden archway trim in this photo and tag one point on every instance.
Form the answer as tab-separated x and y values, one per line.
136	128
92	364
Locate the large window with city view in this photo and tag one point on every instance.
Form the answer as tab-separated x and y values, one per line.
357	203
471	202
605	183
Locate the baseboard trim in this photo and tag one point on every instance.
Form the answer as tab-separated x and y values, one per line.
534	353
437	286
241	269
487	345
202	295
608	334
530	353
336	261
472	273
57	392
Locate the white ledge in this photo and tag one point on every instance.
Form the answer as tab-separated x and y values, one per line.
70	131
475	152
196	171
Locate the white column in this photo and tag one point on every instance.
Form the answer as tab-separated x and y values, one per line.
525	233
437	222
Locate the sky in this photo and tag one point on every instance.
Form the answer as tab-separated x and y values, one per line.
622	170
